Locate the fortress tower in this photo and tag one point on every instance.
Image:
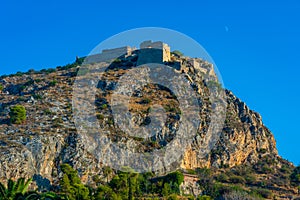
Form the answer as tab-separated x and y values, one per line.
153	52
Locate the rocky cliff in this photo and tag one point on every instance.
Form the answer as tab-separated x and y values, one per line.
243	140
48	137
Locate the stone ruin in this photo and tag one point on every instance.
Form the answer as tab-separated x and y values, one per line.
153	52
149	52
109	54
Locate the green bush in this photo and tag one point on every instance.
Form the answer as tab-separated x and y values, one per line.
48	71
263	193
250	179
31	71
19	74
47	111
110	121
262	151
190	197
17	114
37	96
57	122
285	169
204	197
172	197
207	183
191	171
178	53
53	83
266	169
100	116
222	178
1	87
103	106
295	176
117	61
237	179
171	108
38	80
29	83
146	101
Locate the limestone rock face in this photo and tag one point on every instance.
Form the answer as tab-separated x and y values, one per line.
25	157
243	139
49	138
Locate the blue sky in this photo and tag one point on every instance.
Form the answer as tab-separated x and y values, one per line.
255	45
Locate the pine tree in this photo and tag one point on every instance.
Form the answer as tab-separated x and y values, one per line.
71	184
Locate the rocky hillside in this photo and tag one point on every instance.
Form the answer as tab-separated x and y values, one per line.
48	137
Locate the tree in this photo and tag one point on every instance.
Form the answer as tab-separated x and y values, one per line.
66	187
105	192
17	114
166	190
119	183
132	184
126	184
143	183
175	179
71	184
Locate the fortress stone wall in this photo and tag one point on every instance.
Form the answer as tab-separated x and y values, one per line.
110	54
153	52
150	52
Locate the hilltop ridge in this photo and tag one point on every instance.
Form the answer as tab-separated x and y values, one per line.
48	136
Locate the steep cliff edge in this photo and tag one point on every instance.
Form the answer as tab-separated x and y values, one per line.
243	140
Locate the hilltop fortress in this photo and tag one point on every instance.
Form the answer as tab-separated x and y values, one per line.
154	52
